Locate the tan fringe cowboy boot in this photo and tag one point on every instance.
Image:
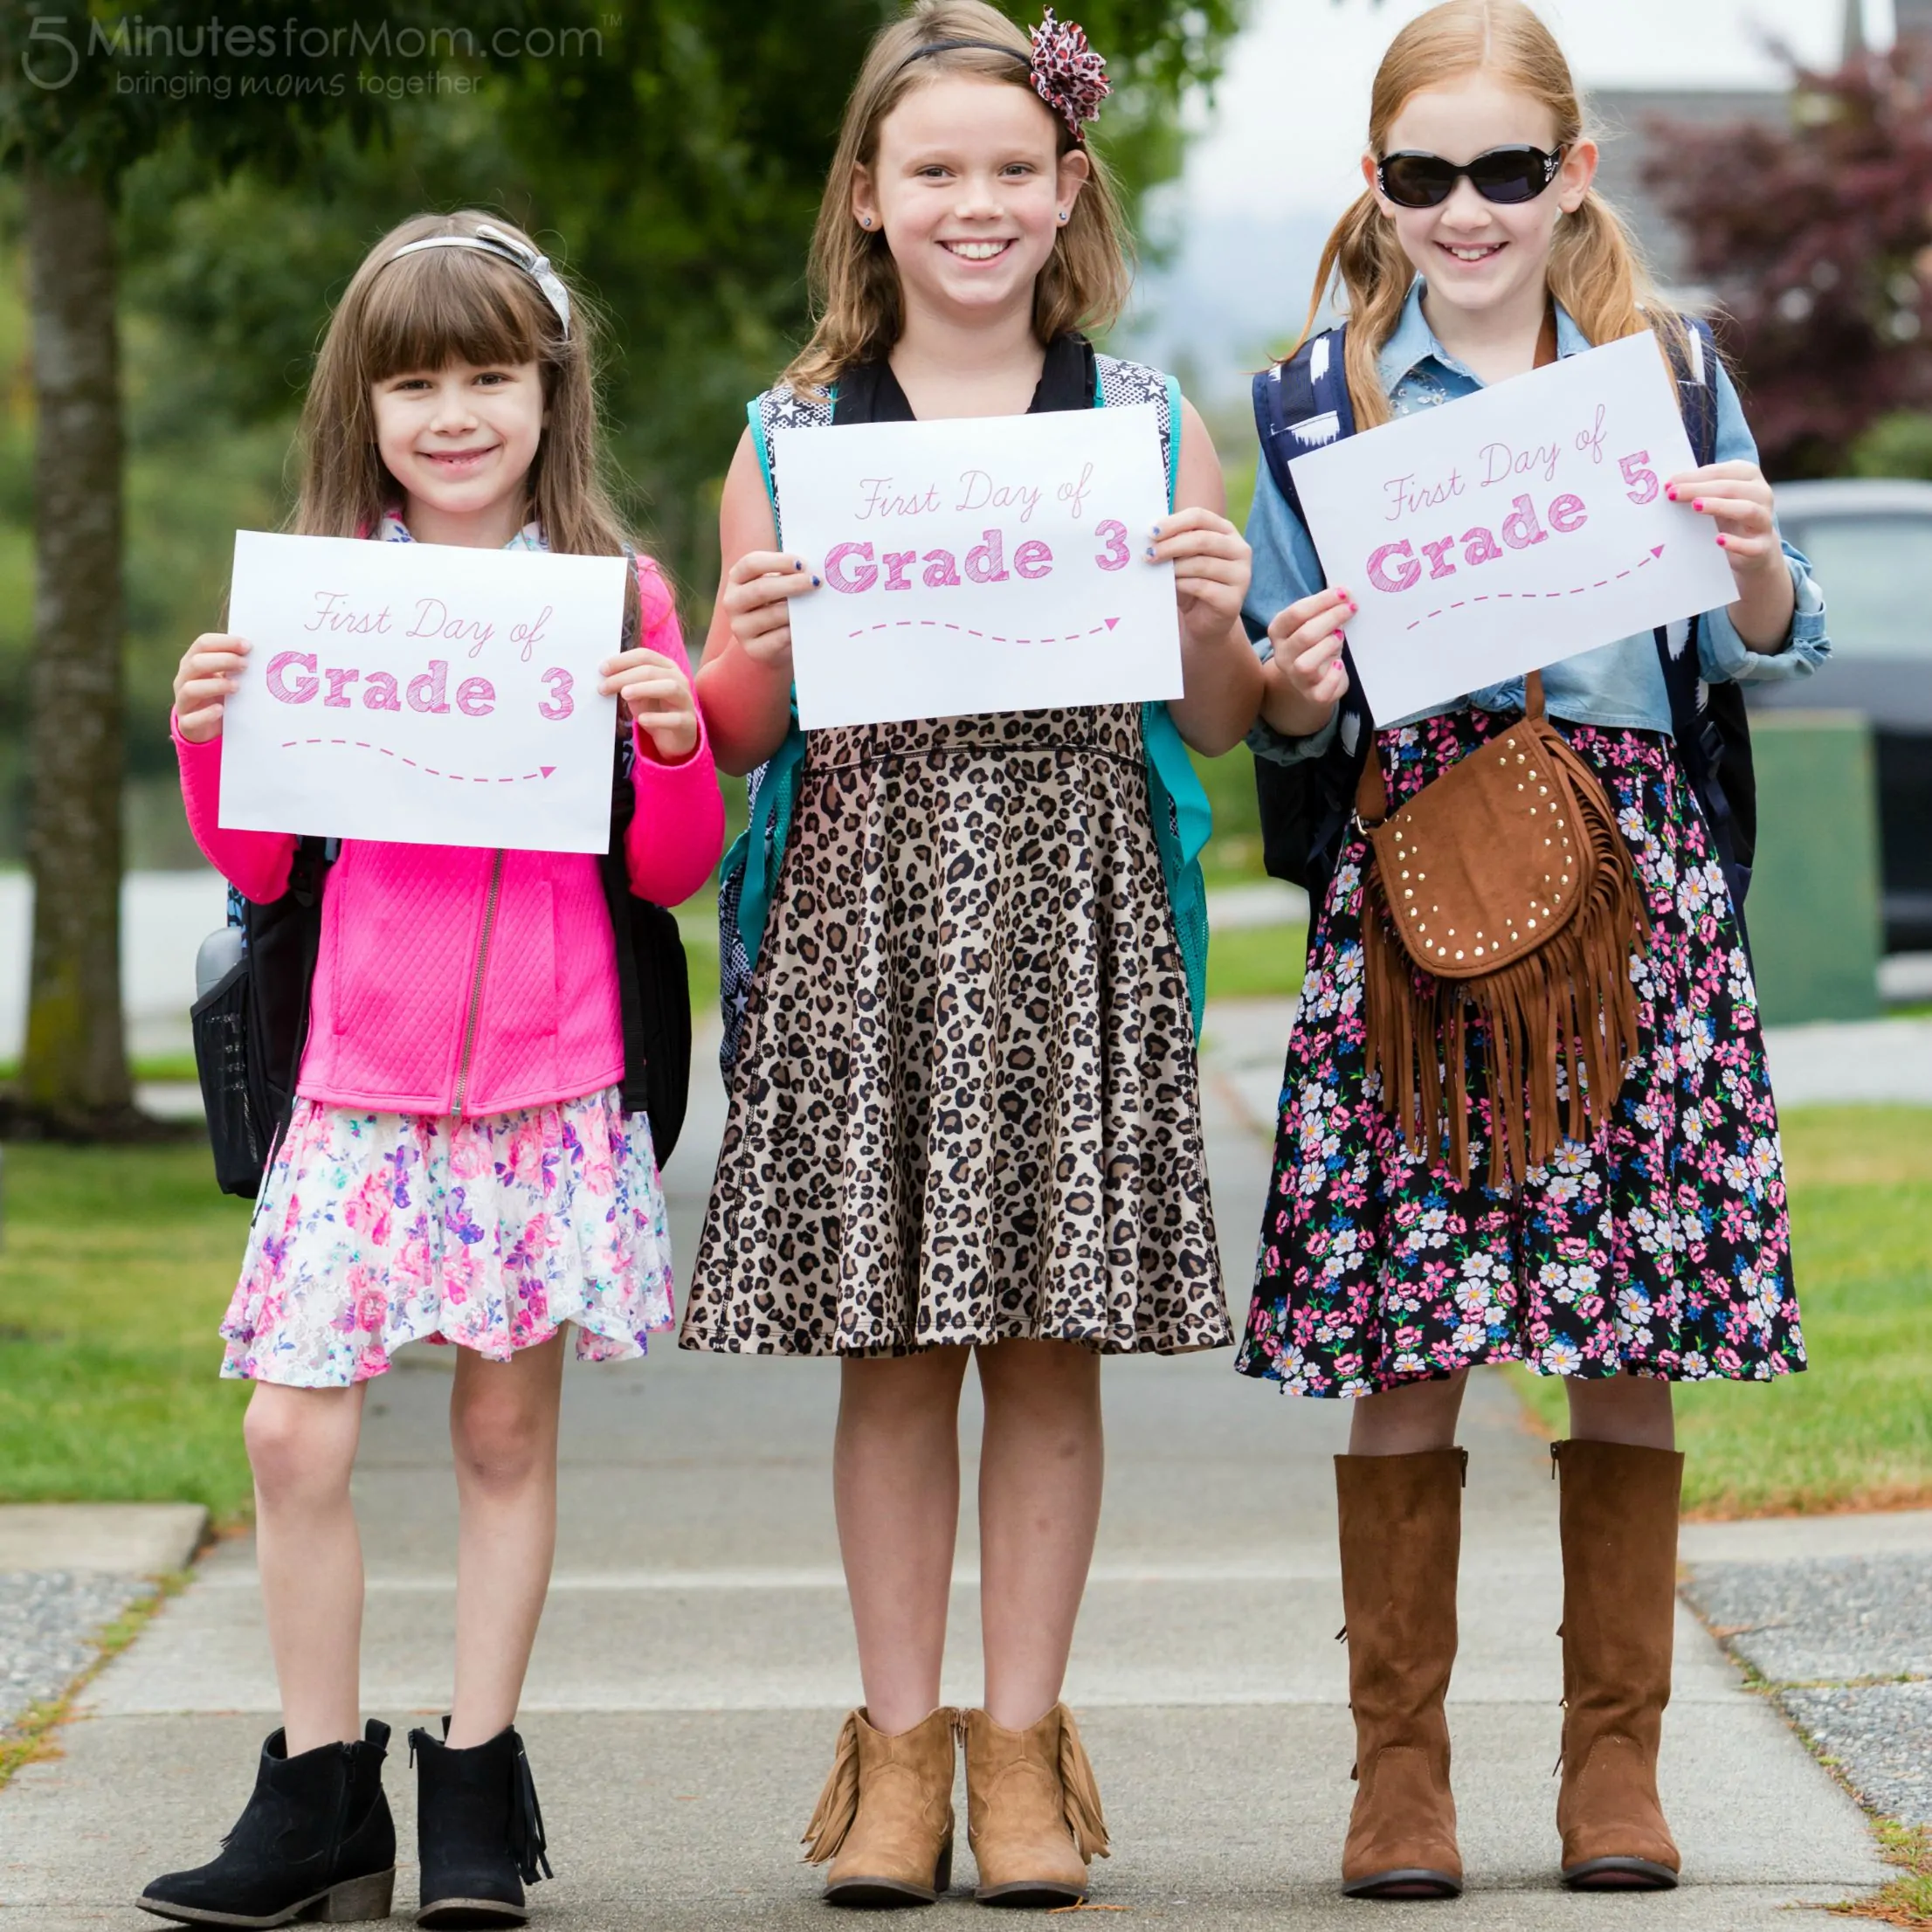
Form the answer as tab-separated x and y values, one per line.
1401	1541
1032	1810
885	1818
1620	1532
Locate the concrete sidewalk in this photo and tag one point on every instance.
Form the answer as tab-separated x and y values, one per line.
686	1692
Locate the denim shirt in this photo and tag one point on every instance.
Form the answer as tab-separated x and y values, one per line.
1616	685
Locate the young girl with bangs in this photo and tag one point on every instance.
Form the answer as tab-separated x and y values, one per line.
964	1121
459	1166
1657	1252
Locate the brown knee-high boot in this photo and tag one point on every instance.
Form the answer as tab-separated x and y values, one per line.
1401	1541
885	1818
1620	1532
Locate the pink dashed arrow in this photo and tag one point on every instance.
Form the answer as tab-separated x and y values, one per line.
992	637
1534	597
360	744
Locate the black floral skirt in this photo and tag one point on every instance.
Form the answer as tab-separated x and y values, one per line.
1662	1249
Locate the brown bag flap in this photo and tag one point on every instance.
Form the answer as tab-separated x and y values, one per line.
1489	859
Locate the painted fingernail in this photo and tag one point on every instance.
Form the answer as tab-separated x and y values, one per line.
797	563
1723	543
1698	504
816	582
1150	552
1670	489
1156	529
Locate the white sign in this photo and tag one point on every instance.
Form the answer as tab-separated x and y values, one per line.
995	563
422	692
1513	528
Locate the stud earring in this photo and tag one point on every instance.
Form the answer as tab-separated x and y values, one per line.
1063	216
865	221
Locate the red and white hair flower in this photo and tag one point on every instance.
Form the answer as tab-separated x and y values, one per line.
1067	74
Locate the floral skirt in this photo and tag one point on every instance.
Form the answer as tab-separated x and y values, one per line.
966	1108
1662	1249
372	1229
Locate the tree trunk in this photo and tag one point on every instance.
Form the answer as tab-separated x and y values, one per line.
74	1071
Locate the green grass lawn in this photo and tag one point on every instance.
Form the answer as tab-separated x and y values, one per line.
1855	1431
1257	962
117	1264
1233	855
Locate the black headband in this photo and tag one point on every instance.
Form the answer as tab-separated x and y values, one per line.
1066	72
949	46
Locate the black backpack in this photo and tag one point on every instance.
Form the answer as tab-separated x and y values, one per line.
1303	405
252	1024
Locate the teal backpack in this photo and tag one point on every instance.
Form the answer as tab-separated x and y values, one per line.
1182	819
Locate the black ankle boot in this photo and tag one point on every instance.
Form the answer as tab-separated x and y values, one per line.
478	1832
315	1842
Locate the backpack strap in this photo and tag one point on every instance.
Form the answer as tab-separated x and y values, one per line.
1303	405
1300	405
1709	724
750	868
1177	802
616	873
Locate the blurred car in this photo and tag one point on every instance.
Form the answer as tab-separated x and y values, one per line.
1871	544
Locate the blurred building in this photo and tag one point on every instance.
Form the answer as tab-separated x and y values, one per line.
1627	115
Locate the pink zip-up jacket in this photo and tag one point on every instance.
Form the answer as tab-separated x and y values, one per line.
458	981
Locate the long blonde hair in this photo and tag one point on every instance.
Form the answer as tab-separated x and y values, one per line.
857	302
1595	269
430	309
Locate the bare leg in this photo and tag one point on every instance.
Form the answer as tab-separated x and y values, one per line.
503	1425
1040	1469
895	1482
301	1446
1632	1410
1405	1421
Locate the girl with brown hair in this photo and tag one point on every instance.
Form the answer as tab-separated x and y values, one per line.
1651	1245
964	1116
458	1165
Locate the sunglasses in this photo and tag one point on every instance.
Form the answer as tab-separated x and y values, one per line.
1507	175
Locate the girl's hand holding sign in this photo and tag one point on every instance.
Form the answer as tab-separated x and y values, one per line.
1307	676
210	669
1739	498
758	593
656	698
1211	570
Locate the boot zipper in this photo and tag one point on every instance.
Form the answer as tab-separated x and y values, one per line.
476	985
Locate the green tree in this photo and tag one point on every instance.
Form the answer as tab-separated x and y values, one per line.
679	145
678	173
1824	266
1899	445
84	96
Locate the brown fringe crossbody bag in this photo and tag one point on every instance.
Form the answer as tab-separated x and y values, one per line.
1504	887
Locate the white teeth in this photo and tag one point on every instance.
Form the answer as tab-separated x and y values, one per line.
978	251
1471	254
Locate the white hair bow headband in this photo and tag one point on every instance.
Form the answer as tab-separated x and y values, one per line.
492	241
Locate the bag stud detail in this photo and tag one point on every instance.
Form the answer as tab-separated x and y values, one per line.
1555	1000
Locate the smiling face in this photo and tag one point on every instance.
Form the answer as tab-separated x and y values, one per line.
461	441
968	185
1479	255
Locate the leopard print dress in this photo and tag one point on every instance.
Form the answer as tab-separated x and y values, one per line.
965	1107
